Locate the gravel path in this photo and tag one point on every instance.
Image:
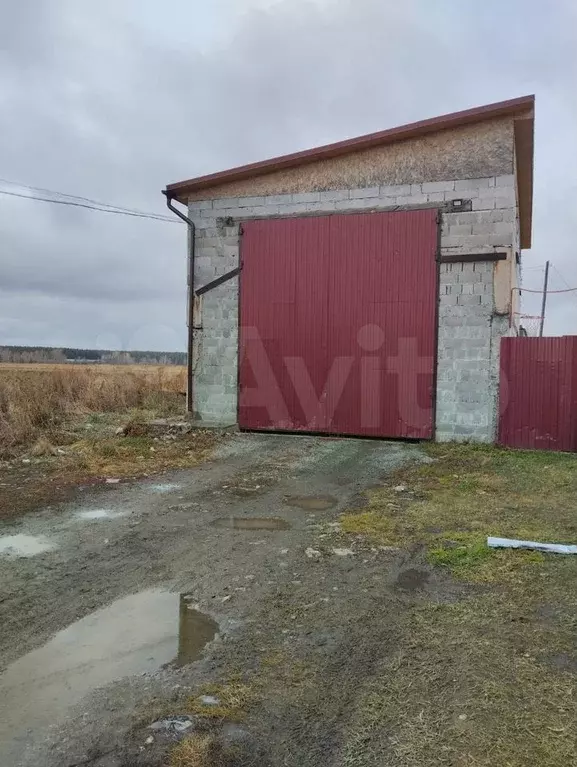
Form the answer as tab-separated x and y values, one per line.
251	542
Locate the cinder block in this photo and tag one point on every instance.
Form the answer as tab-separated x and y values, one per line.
250	202
501	181
412	199
207	242
438	186
356	204
205	253
458	230
468	300
483	203
449	299
464	194
488	192
277	199
298	208
202	263
226	202
395	190
263	211
472	183
335	195
504	240
307	197
436	197
471	217
504	202
200	205
370	191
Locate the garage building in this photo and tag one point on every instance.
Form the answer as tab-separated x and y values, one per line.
363	287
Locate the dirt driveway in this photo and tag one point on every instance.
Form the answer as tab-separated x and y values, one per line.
121	605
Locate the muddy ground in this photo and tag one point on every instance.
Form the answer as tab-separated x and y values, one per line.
234	580
304	627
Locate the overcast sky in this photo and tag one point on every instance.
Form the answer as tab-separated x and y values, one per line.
113	100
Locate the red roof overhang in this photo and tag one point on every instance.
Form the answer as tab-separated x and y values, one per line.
521	109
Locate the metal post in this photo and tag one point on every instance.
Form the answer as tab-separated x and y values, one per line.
544	305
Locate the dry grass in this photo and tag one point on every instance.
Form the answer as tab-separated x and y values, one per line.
36	400
58	427
201	750
234	698
489	679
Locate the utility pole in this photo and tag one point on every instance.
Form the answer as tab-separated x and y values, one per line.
544	305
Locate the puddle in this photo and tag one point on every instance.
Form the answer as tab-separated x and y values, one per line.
134	635
412	579
98	514
252	523
195	631
244	492
311	502
166	487
24	545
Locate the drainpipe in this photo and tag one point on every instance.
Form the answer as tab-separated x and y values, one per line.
190	300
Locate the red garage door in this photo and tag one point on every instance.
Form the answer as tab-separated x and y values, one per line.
337	324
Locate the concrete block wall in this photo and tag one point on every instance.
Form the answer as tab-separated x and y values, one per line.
468	328
468	363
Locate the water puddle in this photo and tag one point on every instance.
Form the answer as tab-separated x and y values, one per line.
311	502
252	523
134	635
165	487
24	545
196	630
95	514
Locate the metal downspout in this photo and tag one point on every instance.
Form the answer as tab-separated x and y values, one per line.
190	301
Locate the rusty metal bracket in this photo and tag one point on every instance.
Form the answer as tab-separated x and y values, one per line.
218	281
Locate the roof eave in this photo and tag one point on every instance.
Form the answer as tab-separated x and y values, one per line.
524	154
181	189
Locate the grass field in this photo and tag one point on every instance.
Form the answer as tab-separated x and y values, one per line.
489	678
37	400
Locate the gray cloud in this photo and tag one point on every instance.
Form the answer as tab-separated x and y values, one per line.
114	100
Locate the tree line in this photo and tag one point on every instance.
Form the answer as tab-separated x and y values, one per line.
29	354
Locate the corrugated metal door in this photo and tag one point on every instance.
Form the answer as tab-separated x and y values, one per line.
338	324
538	393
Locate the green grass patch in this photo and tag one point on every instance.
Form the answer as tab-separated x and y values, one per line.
468	493
370	523
461	557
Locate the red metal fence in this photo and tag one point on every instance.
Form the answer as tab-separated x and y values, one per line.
538	393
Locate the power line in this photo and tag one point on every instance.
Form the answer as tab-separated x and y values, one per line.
569	290
84	202
561	276
43	190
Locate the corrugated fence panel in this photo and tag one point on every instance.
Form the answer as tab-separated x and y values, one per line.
538	393
338	324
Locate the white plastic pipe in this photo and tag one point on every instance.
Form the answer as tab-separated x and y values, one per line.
511	543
